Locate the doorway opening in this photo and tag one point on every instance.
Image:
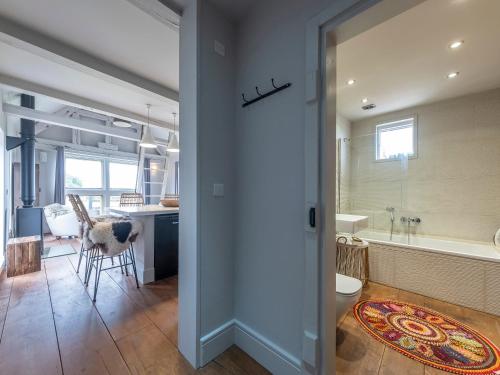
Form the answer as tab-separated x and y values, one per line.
396	111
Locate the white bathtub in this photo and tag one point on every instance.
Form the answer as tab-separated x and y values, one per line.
468	249
459	272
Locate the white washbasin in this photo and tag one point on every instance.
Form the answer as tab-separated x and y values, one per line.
350	223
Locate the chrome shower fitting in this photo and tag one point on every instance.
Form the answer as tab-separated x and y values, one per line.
391	210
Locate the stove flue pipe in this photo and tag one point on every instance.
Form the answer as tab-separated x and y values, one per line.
27	143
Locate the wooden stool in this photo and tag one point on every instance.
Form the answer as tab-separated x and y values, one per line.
352	259
23	255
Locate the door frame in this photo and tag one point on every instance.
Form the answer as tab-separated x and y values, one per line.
319	323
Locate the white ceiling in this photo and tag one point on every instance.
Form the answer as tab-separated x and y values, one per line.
404	61
113	30
234	9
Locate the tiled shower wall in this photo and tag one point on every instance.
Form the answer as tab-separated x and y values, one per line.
454	183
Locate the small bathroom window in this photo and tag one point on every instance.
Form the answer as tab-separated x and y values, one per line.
396	140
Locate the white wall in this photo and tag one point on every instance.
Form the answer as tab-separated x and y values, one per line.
189	312
269	264
216	131
206	158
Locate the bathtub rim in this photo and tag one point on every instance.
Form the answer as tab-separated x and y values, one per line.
495	252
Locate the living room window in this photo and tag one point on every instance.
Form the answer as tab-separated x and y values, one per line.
99	182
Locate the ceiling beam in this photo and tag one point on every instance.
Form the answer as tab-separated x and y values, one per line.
25	38
80	102
160	11
68	122
73	123
45	144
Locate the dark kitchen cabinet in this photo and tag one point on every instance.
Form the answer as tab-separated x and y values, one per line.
166	246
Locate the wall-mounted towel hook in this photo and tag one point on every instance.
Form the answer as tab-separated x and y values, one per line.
261	96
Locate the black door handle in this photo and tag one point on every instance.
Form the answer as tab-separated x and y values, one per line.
312	217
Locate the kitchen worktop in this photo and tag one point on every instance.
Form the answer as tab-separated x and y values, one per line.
147	210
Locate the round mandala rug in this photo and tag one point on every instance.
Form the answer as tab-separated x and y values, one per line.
429	337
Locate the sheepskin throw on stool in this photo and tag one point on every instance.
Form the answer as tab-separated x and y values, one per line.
112	236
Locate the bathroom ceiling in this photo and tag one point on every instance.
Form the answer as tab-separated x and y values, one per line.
405	61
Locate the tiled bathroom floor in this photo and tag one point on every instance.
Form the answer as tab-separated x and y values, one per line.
359	353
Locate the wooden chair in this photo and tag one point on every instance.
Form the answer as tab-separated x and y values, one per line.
131	200
95	256
76	203
73	200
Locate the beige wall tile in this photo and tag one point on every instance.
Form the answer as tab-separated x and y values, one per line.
453	184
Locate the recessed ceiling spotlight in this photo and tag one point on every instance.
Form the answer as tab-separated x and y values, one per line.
365	100
456	44
452	75
351	82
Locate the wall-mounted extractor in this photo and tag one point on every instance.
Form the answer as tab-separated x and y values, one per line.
368	107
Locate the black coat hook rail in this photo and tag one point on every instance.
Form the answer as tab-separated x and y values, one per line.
261	96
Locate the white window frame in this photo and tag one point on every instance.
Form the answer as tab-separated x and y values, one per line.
398	123
105	191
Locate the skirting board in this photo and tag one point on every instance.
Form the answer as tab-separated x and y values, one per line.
264	351
216	342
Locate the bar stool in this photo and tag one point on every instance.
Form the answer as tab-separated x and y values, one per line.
131	200
96	255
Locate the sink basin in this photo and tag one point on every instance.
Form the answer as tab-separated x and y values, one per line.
350	223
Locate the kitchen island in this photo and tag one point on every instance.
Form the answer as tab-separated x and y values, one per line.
156	249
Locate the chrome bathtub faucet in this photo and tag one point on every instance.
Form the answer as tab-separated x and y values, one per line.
408	220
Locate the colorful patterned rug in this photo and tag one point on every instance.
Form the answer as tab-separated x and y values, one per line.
429	337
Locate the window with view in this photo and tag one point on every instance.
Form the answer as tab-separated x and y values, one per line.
396	140
99	182
83	174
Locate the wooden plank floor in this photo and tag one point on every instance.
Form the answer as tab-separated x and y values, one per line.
49	325
359	353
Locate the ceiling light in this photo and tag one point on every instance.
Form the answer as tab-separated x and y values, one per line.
121	123
351	82
452	75
456	44
173	143
365	100
147	140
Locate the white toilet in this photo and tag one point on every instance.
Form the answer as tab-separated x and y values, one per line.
348	293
